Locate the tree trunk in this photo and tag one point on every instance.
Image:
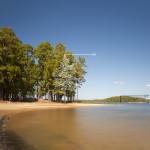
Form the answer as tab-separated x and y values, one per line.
68	98
61	98
64	98
54	97
37	91
73	98
39	96
1	93
57	98
49	95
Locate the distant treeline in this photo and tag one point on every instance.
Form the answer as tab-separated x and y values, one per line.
45	70
117	99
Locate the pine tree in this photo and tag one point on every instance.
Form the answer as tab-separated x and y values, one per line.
69	76
29	72
11	54
59	52
44	54
51	70
64	77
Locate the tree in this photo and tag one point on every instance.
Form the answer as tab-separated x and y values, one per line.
68	75
29	69
64	78
59	52
44	54
80	72
16	66
22	68
11	54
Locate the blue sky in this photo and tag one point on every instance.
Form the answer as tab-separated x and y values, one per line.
118	31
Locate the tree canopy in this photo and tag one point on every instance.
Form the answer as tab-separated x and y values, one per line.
45	70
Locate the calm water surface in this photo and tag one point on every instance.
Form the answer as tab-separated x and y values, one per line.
110	127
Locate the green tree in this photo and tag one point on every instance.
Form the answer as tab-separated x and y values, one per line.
68	76
22	68
29	69
11	54
64	78
80	72
59	52
44	54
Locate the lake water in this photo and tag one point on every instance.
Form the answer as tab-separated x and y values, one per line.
110	127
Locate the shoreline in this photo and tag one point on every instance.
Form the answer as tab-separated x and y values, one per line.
8	109
4	144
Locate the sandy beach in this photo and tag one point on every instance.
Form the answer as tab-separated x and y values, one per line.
10	108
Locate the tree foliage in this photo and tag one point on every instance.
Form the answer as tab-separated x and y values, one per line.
44	70
118	99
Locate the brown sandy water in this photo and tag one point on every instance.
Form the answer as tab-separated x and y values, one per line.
116	127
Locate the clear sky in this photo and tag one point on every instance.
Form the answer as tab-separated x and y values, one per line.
118	31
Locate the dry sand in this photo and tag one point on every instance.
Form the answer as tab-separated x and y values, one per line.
10	108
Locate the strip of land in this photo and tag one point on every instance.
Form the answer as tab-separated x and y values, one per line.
9	108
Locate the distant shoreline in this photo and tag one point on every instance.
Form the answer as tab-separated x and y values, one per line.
119	99
113	102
